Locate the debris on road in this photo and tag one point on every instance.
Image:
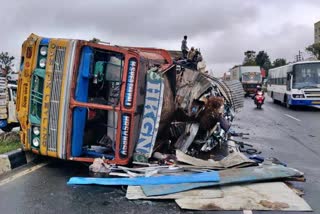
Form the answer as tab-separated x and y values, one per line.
260	196
154	180
136	192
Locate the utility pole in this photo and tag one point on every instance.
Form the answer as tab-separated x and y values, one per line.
299	57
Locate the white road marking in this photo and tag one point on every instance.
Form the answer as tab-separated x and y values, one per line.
292	117
247	211
22	173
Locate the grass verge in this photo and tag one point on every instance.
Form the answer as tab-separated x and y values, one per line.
9	141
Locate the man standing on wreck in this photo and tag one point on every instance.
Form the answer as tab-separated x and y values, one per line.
184	47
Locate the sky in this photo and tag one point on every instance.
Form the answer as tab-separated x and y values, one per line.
222	30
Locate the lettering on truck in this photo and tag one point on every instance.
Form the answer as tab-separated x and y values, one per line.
130	83
150	121
125	126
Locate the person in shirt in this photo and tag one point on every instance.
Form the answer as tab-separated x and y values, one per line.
184	47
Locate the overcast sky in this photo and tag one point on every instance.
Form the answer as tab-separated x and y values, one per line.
223	30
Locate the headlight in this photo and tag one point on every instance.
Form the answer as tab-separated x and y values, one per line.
298	96
43	50
36	142
36	130
42	62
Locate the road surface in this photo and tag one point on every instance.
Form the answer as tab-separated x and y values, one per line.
292	136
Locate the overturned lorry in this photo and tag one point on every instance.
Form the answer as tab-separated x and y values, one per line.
79	100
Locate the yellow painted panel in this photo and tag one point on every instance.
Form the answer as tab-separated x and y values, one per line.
23	96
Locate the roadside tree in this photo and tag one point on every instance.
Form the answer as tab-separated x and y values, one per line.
6	61
314	50
279	62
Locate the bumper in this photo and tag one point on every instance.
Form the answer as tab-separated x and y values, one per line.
304	102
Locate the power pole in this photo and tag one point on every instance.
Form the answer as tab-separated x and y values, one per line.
299	57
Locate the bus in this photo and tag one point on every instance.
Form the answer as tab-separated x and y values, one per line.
296	84
79	100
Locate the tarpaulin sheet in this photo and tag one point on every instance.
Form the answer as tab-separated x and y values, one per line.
167	179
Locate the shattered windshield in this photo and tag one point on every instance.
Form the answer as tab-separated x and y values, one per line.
306	76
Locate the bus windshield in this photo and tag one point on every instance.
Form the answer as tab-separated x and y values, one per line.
306	76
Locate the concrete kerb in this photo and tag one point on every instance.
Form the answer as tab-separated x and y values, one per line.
14	159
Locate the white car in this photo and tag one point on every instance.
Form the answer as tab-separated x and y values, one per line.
12	76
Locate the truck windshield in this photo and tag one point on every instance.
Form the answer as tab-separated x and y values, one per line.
253	76
104	84
306	76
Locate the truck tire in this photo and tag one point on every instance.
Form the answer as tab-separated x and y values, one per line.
288	106
273	100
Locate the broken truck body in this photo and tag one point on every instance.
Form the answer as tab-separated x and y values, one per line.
79	100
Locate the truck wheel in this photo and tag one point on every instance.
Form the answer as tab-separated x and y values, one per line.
274	101
7	128
288	106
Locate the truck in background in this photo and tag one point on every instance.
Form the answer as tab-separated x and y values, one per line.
249	76
8	119
226	76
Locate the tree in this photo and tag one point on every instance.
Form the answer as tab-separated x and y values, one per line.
249	58
314	50
6	61
263	60
279	62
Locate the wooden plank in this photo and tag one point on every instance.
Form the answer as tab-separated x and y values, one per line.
260	196
229	176
135	192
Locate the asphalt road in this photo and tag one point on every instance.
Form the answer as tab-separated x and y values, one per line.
292	136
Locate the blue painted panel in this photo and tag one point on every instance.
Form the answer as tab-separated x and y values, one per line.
300	102
3	123
167	179
230	176
97	154
45	41
81	95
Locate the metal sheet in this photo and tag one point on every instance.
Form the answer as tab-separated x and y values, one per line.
185	140
229	176
167	179
151	116
262	196
135	192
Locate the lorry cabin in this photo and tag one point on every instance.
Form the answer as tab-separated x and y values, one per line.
8	119
79	100
249	76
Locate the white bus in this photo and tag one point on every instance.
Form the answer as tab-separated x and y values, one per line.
296	84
